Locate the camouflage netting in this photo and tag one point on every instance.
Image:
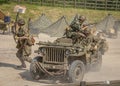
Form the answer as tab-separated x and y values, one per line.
57	29
117	24
75	17
41	23
109	22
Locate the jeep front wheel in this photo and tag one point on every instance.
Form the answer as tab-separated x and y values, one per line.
35	72
76	71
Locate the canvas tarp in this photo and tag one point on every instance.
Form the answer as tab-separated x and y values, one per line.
56	29
41	23
107	23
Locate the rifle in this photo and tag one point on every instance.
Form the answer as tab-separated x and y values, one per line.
16	19
15	27
29	20
91	24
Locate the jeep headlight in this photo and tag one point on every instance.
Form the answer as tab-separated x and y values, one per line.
42	50
67	52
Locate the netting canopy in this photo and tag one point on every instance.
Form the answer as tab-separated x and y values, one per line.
56	29
117	25
107	23
41	23
75	17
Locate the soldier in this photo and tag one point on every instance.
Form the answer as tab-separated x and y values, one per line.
24	44
79	23
83	22
78	29
75	26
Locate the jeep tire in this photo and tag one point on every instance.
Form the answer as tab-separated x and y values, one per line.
35	72
76	71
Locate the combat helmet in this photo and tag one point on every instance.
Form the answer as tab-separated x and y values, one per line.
21	22
82	18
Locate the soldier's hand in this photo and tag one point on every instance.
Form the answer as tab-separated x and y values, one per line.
96	47
85	27
16	37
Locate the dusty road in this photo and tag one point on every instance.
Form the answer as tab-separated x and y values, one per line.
10	76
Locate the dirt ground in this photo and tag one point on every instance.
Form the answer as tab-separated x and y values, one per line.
10	76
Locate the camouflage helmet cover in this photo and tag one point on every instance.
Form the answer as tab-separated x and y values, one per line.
21	22
82	18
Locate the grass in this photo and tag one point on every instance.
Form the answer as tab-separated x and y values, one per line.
34	11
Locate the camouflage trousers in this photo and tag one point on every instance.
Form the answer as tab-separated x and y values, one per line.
22	57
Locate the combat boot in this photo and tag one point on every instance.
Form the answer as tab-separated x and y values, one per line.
23	65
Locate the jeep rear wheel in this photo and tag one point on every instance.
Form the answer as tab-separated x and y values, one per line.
76	71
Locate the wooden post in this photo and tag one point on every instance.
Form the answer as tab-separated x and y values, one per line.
41	2
64	3
116	4
85	4
30	1
95	4
53	2
75	3
106	4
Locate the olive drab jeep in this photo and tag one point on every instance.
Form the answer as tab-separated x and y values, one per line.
63	58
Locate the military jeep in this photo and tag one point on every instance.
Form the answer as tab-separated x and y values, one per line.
63	58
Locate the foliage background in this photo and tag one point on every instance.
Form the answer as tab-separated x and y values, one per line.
35	10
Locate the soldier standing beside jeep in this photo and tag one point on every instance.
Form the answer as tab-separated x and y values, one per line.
24	44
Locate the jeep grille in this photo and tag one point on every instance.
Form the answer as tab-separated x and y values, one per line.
54	55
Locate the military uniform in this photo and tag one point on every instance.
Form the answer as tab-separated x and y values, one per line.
77	30
79	23
75	26
24	44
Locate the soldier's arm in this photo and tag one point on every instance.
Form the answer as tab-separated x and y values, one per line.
21	38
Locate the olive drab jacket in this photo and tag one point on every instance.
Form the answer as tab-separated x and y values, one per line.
76	25
23	44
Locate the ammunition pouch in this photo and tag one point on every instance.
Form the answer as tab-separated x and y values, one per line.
30	41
